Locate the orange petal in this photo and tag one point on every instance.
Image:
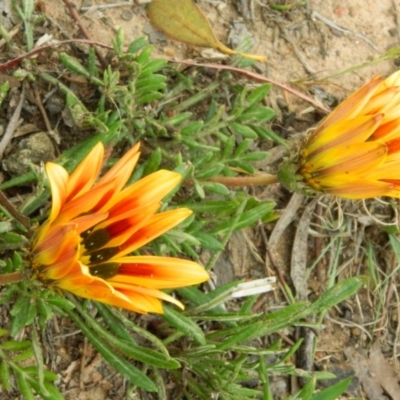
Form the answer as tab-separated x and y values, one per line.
381	102
58	178
84	176
122	170
387	131
135	293
85	285
150	189
362	189
349	160
155	227
88	221
121	227
159	272
87	202
133	301
55	243
351	107
356	130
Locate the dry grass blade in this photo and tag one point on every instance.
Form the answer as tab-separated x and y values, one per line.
298	268
12	125
285	219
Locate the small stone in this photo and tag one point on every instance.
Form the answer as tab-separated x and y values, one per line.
55	105
356	332
127	15
35	149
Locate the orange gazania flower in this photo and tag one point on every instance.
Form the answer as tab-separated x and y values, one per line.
355	152
85	245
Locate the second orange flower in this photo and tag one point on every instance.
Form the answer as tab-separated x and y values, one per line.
355	152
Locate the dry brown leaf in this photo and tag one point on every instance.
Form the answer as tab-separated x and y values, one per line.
383	371
183	20
362	368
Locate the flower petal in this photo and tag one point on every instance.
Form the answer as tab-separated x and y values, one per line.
122	170
155	227
361	189
150	189
159	272
58	178
82	179
344	133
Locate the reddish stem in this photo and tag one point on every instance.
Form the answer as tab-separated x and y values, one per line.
74	14
12	277
245	181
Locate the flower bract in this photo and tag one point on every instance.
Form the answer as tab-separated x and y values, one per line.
355	152
94	226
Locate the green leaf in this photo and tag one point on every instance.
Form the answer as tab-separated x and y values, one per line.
137	45
242	148
209	171
307	390
269	134
148	97
184	324
217	188
247	218
61	303
192	128
146	355
23	312
37	350
258	94
23	386
51	392
44	312
243	130
149	83
126	368
214	206
23	356
153	162
255	156
144	57
199	189
118	42
333	392
153	65
4	88
13	345
209	242
338	293
114	323
5	375
178	119
74	65
256	113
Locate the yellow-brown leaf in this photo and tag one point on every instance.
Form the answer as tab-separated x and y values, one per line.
183	20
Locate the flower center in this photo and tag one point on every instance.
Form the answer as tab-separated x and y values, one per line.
97	255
